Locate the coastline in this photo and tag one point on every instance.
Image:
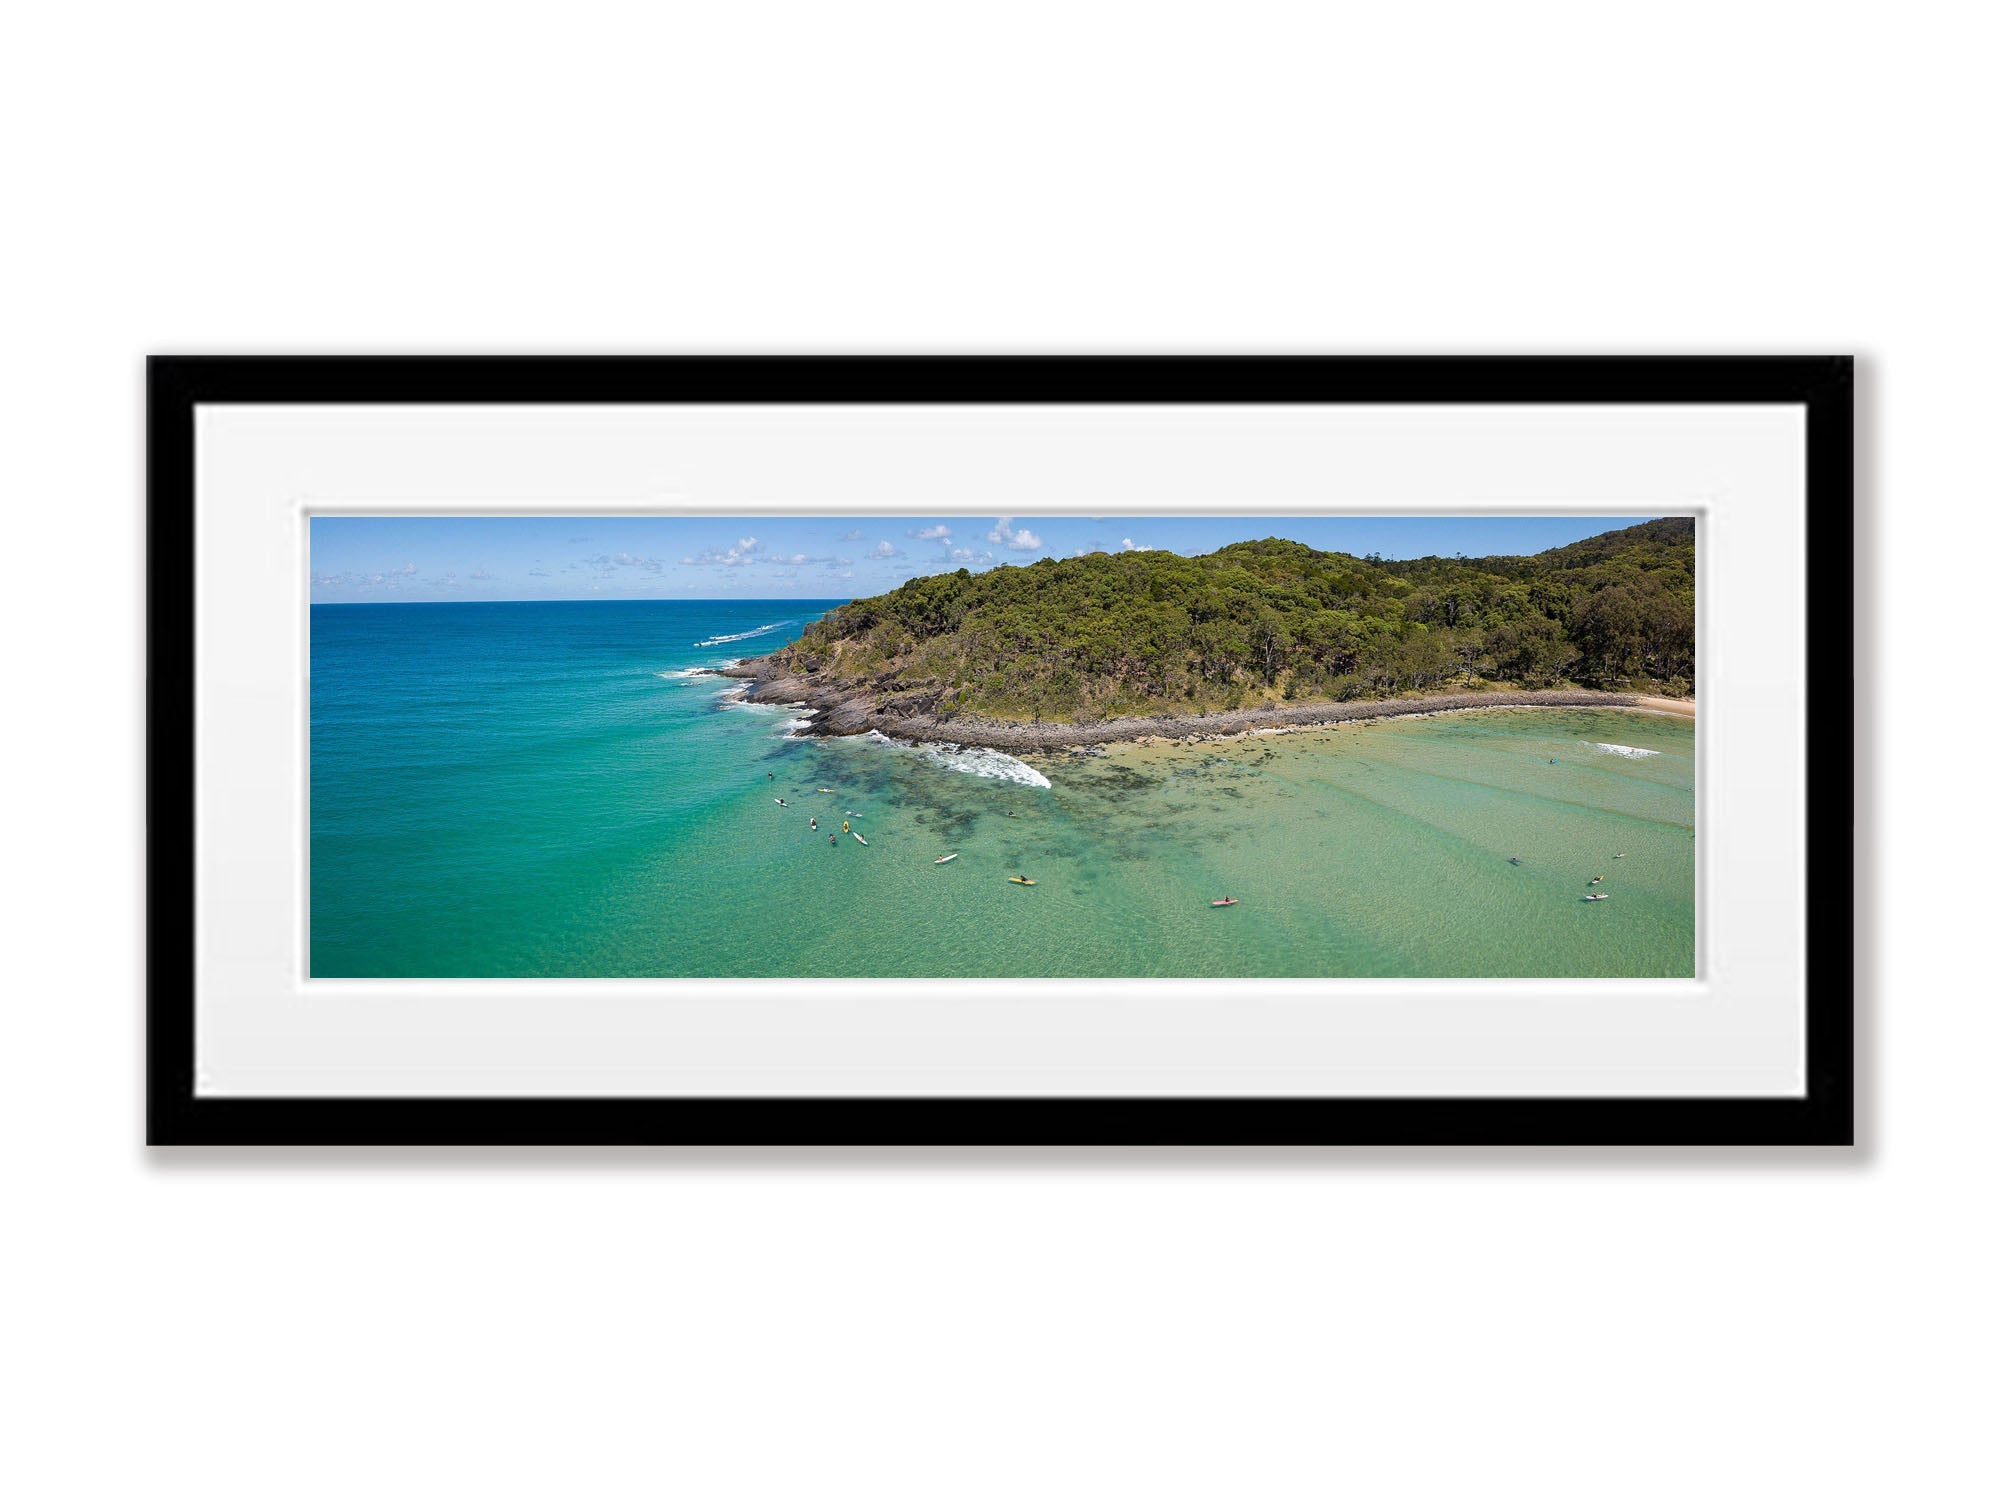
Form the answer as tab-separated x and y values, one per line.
850	711
1679	707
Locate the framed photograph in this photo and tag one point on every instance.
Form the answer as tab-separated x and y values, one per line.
1027	751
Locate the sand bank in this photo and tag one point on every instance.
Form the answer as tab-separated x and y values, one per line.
1683	707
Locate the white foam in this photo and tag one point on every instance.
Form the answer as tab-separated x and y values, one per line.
797	715
1630	752
686	674
972	760
723	640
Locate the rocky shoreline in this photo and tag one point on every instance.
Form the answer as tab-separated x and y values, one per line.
846	710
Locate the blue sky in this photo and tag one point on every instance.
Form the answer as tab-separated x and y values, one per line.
380	558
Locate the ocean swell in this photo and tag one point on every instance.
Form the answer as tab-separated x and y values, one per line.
972	760
1630	752
797	716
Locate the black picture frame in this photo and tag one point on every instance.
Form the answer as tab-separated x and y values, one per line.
1824	1115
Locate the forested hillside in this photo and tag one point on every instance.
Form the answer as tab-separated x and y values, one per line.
1147	632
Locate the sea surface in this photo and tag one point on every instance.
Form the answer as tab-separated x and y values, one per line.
547	789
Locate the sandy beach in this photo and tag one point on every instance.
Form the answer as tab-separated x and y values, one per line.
1683	707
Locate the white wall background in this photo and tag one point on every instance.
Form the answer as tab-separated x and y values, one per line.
1530	177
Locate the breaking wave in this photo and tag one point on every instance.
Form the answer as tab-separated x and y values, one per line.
723	640
973	760
686	674
796	715
1630	752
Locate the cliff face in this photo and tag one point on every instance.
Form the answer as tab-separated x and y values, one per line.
1258	627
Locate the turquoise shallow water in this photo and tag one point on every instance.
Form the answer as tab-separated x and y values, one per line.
539	789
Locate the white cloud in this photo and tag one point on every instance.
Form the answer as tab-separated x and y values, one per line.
482	576
931	534
967	554
883	549
1015	538
1127	546
627	560
853	536
738	556
795	560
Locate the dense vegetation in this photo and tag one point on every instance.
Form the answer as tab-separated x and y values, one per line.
1092	637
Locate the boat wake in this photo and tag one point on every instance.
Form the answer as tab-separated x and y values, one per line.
972	760
1630	752
723	640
